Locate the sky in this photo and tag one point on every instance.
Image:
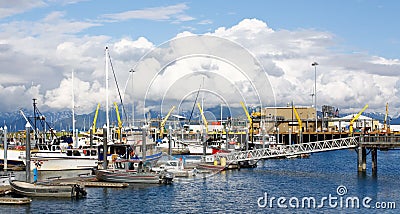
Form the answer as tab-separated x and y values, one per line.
259	52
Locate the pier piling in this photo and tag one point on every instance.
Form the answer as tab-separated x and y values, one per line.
105	164
28	152
5	147
362	159
374	155
144	136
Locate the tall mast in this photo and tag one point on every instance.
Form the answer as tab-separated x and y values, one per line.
107	94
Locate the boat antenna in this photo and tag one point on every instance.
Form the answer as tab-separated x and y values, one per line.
116	83
194	104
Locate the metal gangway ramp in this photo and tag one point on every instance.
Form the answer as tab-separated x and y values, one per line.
288	150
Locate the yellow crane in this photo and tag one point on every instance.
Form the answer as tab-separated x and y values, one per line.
95	118
119	121
355	118
298	119
250	121
202	116
164	121
299	122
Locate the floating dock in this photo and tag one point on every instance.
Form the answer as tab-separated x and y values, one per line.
95	184
14	201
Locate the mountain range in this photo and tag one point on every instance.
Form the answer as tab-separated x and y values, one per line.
62	120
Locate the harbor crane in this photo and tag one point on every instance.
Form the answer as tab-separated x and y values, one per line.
203	117
95	118
300	124
355	118
164	121
250	121
119	131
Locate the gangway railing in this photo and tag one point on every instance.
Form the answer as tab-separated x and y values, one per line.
289	150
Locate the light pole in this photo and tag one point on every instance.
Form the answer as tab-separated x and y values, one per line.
315	94
133	108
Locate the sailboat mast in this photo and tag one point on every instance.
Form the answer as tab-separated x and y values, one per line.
107	94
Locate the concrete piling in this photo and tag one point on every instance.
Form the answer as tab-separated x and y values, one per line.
28	152
5	147
362	159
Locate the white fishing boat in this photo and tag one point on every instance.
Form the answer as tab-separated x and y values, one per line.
15	156
177	147
197	149
124	166
175	167
55	159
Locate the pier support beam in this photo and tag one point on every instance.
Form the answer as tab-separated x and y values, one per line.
374	155
105	149
144	138
362	159
28	152
91	137
204	142
5	148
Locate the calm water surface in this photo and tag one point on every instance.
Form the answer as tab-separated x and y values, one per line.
243	191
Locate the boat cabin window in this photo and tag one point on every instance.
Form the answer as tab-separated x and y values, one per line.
76	153
173	163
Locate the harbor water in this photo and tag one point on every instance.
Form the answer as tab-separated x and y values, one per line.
331	178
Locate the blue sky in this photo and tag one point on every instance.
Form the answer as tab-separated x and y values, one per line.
355	39
356	23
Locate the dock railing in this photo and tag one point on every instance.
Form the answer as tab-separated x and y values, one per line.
380	139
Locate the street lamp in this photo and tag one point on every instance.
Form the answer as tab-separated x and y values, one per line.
133	108
315	94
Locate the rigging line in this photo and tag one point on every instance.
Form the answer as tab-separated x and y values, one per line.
194	104
119	93
45	123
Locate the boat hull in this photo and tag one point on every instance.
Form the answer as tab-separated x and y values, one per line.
56	164
126	176
38	190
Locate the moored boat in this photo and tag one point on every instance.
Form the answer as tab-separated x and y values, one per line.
175	167
132	176
64	159
42	190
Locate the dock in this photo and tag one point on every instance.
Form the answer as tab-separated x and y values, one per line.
14	201
95	184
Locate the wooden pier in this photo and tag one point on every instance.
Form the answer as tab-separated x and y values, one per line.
371	144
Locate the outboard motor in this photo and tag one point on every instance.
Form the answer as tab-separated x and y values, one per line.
78	191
